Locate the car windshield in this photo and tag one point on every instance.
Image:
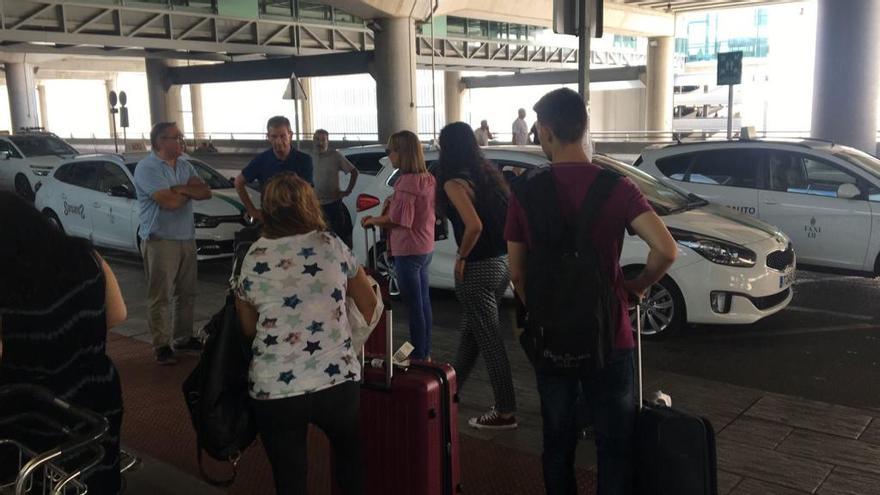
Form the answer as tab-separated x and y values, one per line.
860	158
206	173
664	198
42	145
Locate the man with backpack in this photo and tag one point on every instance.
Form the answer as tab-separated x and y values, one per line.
565	228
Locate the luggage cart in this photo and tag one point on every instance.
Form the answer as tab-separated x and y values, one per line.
46	444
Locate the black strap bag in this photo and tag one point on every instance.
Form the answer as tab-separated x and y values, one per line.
216	392
571	309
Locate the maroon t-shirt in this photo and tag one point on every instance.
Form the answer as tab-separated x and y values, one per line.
625	203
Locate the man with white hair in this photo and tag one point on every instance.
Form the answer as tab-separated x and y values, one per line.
521	129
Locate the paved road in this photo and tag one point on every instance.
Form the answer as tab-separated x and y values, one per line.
825	346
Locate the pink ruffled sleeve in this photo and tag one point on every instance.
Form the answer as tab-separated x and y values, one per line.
403	209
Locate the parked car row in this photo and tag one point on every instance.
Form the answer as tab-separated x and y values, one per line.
730	268
739	211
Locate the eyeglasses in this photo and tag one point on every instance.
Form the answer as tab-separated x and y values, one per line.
178	138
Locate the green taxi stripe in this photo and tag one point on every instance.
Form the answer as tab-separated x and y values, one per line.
231	201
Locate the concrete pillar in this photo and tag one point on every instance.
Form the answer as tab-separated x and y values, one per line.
165	105
845	81
22	95
44	107
453	94
198	116
395	74
659	86
307	113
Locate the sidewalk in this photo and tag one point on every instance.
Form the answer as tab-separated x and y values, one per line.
767	443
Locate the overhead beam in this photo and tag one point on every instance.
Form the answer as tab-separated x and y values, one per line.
554	77
334	64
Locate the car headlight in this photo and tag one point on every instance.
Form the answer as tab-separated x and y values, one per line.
204	221
40	172
715	250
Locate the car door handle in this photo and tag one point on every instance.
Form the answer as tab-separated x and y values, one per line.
771	203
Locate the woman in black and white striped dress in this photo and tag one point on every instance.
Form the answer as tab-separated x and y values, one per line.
473	194
57	300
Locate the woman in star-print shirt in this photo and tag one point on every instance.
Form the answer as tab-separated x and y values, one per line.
291	299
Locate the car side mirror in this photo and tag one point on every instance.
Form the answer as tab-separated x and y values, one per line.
232	181
121	191
848	191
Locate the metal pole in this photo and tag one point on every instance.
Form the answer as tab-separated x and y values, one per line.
729	112
584	52
296	115
115	139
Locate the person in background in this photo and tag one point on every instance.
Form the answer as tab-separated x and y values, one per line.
57	301
473	195
411	220
520	128
281	157
534	133
166	185
328	164
483	134
291	298
609	393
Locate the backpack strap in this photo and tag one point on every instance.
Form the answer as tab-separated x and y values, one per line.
596	197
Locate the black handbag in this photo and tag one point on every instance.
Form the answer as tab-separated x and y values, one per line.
216	393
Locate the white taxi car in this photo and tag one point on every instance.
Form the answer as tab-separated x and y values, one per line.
825	197
730	269
93	196
27	157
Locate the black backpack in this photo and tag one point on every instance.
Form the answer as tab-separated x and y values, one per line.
216	392
571	308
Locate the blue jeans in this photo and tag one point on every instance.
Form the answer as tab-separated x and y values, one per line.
611	398
412	279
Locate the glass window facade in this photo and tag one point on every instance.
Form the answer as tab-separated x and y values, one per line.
700	37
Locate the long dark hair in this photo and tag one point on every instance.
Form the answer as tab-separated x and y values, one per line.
38	262
461	157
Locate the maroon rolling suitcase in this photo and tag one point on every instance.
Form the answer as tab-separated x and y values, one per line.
408	425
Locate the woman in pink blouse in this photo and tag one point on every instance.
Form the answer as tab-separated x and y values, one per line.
410	220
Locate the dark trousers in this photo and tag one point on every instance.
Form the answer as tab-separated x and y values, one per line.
283	424
339	221
610	397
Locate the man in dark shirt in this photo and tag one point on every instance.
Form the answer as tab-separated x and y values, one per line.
562	121
282	157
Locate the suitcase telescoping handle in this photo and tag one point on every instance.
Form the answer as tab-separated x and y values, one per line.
639	351
371	257
389	352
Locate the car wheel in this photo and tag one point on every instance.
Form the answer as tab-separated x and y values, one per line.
385	268
53	219
662	310
23	187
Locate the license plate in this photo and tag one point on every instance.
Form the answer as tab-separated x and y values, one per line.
786	280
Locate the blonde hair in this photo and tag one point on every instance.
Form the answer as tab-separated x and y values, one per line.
290	207
409	149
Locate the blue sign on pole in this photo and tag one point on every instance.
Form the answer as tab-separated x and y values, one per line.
730	68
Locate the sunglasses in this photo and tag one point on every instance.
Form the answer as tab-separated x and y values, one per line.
388	151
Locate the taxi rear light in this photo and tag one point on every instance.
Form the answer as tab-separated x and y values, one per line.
366	201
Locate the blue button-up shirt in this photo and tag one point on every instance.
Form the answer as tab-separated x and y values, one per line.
151	175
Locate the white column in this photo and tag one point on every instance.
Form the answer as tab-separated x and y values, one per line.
22	95
44	107
395	73
198	116
660	83
845	80
453	95
165	103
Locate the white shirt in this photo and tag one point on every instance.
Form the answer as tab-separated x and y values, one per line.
520	132
482	136
303	341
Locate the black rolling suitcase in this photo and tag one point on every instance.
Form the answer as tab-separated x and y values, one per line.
675	451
